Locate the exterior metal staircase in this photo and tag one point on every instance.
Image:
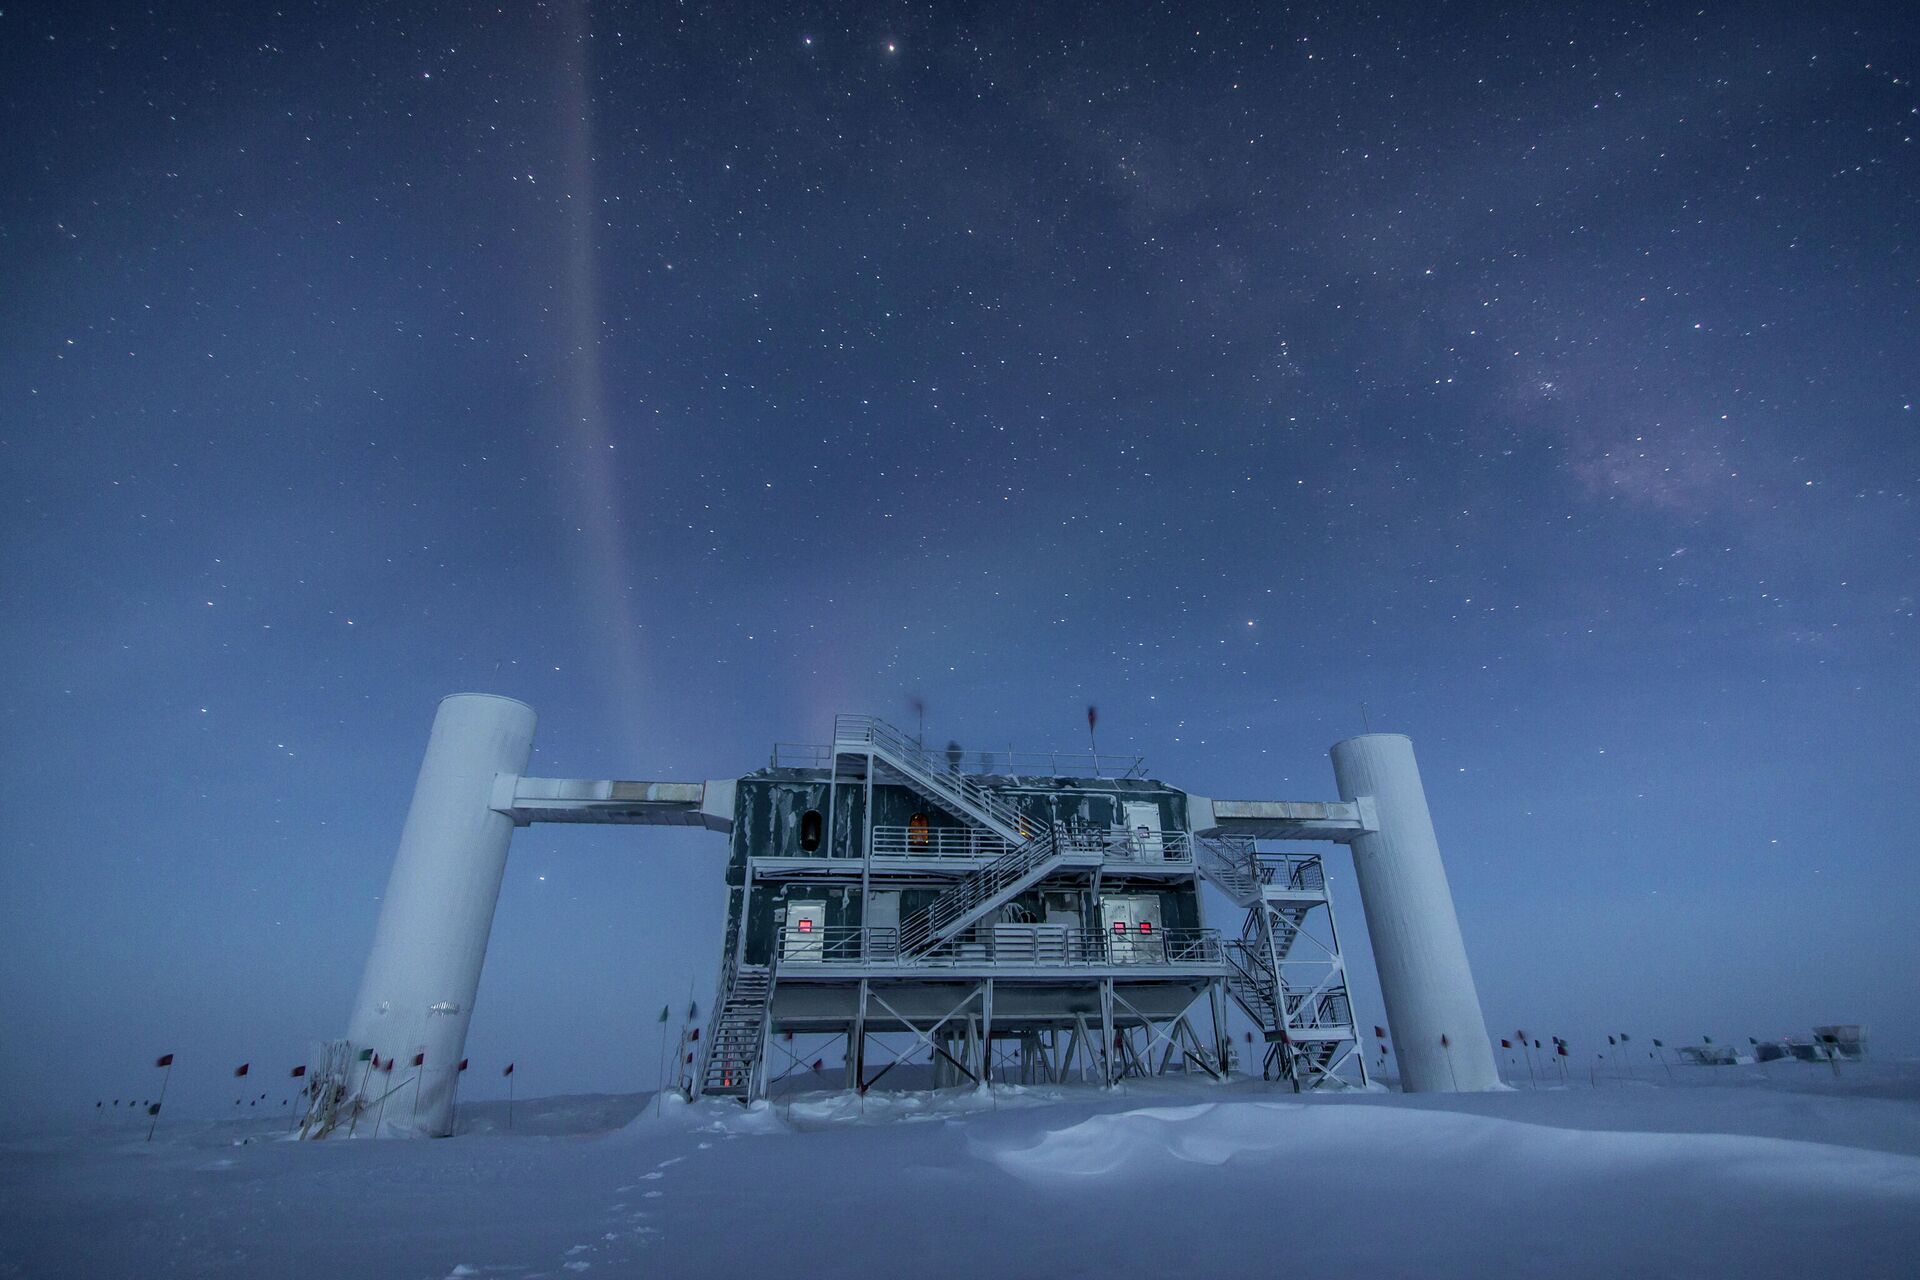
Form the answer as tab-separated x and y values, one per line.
1231	865
1309	1031
973	896
1035	850
1252	983
737	1036
956	792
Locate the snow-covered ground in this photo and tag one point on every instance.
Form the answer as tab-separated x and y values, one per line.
1722	1172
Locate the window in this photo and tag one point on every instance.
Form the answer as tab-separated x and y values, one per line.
810	827
919	831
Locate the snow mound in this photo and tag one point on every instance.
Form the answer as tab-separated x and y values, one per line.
1149	1141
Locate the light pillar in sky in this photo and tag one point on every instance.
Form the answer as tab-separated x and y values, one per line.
1433	1010
416	996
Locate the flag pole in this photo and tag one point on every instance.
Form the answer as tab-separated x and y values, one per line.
360	1104
163	1098
381	1118
660	1075
418	1071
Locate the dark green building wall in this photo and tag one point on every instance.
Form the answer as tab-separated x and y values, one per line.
770	807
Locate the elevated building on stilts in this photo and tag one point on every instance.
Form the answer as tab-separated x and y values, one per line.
1034	917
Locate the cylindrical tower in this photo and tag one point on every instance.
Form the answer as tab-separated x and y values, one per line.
1432	1007
416	997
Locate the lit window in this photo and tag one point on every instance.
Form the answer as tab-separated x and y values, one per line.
806	925
919	831
810	827
1119	926
1146	926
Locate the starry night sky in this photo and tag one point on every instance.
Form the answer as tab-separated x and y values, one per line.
1538	384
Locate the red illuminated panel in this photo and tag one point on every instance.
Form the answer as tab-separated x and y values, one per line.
806	925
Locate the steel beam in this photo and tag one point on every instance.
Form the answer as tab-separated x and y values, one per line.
660	804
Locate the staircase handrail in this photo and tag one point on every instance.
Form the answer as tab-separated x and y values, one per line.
927	768
1230	864
922	928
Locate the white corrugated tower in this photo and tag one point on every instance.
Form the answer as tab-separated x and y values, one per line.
416	996
1433	1010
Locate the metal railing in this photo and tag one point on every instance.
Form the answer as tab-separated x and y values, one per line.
980	892
1236	864
1001	944
1011	762
1303	871
1118	844
1229	862
838	944
1252	981
1319	1010
736	1030
1115	844
930	770
1261	991
937	842
801	755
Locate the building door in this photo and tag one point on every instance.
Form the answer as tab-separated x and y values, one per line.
1143	831
1132	924
805	936
883	924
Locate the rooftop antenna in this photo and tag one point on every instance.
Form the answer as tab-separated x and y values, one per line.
1093	717
1364	726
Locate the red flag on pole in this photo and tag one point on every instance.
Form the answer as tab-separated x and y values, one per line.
463	1064
508	1071
1444	1042
1379	1033
419	1059
1560	1049
241	1069
696	1031
1093	715
1506	1044
164	1060
387	1066
299	1071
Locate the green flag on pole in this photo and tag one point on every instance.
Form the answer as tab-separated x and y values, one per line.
663	1013
366	1055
